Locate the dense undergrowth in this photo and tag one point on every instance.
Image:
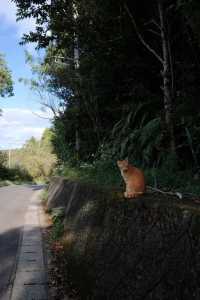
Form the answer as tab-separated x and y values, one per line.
106	173
13	175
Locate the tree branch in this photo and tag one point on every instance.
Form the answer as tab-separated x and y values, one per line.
154	32
154	23
141	37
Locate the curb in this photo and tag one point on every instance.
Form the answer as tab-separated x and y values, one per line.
30	281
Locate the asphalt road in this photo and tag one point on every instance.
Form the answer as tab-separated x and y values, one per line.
14	201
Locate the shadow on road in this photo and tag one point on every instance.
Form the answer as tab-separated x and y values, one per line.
18	206
9	242
36	187
22	269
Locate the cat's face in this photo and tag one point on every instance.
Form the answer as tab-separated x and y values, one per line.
123	165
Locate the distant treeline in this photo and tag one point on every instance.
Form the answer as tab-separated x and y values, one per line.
34	161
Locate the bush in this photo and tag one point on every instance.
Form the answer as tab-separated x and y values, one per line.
101	172
106	173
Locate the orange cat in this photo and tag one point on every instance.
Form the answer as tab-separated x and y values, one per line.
134	179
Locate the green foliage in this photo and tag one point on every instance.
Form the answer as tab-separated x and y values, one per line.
101	172
35	161
44	196
106	88
137	136
36	157
181	181
6	84
3	158
58	226
15	174
3	162
105	173
18	175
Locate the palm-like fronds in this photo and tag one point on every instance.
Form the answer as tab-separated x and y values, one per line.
136	136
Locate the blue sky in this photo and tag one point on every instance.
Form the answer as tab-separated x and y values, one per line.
20	118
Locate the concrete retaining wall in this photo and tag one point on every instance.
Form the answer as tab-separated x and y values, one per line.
147	248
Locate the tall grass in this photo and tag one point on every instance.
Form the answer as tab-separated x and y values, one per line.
106	173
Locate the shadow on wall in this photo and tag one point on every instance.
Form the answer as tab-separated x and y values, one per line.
147	248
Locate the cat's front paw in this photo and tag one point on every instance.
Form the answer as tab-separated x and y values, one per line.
129	195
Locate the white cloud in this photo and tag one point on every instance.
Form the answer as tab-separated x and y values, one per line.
8	12
19	125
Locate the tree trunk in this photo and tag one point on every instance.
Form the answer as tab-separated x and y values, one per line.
167	75
77	144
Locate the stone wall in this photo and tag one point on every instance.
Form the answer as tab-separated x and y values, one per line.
147	248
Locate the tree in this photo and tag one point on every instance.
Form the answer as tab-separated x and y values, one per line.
36	157
119	86
6	84
3	164
165	59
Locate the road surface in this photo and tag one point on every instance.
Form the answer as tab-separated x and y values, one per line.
14	201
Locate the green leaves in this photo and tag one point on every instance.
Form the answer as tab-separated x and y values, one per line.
36	157
6	84
114	99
